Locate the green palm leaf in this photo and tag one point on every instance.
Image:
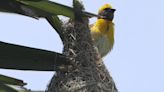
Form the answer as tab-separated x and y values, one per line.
9	84
11	81
25	58
38	8
5	88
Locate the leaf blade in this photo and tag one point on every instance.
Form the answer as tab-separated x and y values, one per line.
25	58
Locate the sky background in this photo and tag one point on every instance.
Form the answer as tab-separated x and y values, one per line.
137	61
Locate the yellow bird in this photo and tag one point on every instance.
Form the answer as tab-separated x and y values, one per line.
102	31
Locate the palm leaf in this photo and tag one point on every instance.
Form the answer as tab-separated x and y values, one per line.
38	8
25	58
12	81
5	88
9	84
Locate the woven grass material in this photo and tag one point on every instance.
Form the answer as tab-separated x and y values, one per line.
88	73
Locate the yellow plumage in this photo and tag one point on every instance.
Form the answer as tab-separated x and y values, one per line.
105	6
103	32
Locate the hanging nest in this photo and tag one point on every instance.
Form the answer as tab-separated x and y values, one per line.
87	72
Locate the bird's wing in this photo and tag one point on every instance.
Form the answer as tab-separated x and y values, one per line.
94	33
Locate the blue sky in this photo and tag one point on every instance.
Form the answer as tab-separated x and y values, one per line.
137	61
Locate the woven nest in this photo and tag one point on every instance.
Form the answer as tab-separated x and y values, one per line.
88	73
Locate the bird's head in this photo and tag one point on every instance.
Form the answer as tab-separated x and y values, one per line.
106	12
